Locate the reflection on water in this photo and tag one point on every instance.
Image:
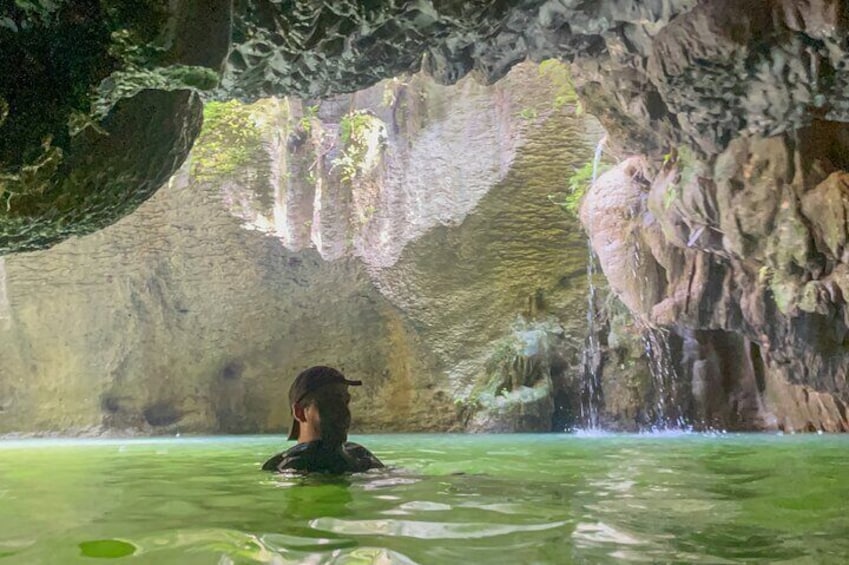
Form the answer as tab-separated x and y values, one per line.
684	498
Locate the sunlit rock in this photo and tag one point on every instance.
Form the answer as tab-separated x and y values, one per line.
256	260
744	253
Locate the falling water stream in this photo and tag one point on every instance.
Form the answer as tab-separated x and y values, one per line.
665	410
591	393
667	413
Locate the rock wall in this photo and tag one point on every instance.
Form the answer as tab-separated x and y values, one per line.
722	223
741	256
177	320
732	99
440	272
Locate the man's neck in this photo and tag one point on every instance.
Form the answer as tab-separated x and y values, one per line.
307	436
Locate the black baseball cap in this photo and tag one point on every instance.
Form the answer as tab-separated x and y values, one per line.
310	380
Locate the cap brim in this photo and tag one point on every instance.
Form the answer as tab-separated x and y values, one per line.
353	383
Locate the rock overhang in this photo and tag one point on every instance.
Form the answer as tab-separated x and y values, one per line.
657	73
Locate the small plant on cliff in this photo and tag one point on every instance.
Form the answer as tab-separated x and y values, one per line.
310	114
672	193
229	140
528	114
361	135
685	163
558	73
578	185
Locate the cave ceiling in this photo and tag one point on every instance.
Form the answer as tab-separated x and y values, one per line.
100	101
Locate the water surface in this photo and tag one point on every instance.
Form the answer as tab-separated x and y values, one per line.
684	498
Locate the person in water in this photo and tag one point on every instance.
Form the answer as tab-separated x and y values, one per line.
319	401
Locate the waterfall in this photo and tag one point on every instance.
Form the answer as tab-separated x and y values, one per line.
599	149
667	413
5	308
591	393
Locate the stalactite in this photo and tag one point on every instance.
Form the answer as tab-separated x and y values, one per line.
5	309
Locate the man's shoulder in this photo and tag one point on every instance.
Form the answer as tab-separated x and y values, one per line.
365	459
313	456
284	459
351	447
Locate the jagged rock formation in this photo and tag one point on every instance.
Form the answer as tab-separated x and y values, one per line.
742	256
468	315
98	107
734	238
655	72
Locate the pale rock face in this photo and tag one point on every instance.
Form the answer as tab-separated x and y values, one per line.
426	156
609	213
195	313
5	309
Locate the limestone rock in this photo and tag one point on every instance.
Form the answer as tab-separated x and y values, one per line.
177	319
751	273
736	110
98	107
657	73
609	212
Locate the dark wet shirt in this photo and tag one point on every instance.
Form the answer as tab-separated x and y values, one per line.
315	457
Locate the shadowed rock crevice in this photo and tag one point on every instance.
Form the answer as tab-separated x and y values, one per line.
161	414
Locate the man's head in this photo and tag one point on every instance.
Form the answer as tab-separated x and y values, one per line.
319	400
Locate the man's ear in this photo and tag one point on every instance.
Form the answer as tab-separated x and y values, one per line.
298	412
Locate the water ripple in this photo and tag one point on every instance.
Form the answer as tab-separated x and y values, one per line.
426	530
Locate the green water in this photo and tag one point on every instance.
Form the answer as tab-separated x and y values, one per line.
447	499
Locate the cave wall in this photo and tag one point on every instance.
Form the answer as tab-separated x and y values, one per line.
193	314
722	222
178	320
740	256
731	99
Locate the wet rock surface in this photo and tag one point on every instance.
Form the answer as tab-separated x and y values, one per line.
742	256
726	224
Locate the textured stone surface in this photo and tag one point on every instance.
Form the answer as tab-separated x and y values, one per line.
176	319
500	151
742	255
731	233
744	99
110	171
656	72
